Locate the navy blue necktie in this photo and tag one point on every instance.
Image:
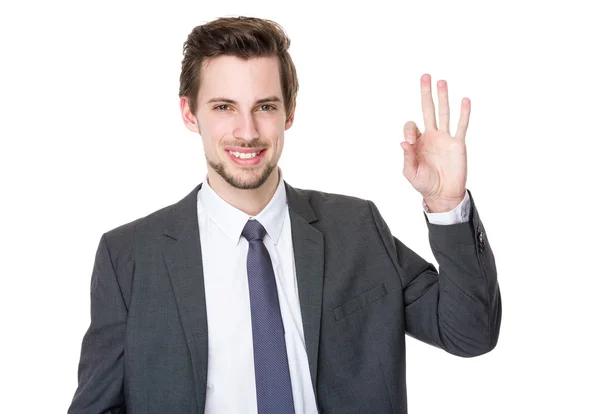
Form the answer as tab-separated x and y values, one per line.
271	370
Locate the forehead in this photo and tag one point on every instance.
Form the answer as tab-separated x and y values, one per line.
239	79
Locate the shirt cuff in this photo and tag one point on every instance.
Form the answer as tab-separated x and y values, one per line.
460	214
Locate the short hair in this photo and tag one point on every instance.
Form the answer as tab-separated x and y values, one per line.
245	38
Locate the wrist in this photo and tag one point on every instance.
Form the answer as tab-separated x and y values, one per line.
437	205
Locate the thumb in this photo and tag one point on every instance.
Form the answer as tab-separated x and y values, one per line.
410	159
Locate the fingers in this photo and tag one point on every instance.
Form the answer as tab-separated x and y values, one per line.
463	122
444	106
411	132
427	102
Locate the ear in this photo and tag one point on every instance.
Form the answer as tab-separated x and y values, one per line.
189	119
290	120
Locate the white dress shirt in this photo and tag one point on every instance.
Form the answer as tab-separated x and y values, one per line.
231	386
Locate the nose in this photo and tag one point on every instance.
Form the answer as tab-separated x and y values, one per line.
245	127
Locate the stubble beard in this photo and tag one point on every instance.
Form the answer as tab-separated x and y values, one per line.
241	183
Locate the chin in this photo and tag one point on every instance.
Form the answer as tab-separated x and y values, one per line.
243	178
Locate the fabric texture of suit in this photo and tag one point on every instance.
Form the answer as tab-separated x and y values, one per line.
361	290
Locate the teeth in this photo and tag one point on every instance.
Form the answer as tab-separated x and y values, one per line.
244	155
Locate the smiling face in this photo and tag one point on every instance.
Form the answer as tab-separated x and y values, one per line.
241	118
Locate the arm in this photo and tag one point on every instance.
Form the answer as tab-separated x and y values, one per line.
100	378
459	308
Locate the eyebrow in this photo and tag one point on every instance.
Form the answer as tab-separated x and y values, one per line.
231	101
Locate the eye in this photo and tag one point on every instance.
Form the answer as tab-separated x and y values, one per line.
222	107
269	107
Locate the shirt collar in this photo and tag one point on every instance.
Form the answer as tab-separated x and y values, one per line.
231	221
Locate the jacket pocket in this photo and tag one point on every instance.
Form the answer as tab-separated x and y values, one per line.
360	302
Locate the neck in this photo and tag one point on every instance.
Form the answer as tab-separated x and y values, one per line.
250	202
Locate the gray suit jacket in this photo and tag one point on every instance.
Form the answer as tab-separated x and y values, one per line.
361	290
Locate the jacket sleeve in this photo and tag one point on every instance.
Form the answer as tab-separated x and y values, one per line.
458	308
100	374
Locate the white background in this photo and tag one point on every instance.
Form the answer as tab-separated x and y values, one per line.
92	138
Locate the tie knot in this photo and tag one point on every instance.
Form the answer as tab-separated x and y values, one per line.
253	230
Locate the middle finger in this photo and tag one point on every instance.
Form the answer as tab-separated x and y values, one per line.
444	106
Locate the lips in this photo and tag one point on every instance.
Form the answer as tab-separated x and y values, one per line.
246	161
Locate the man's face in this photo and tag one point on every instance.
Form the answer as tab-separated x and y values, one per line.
241	118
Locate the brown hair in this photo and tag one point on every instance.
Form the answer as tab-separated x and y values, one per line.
243	37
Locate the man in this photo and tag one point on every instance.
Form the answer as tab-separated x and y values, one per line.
252	296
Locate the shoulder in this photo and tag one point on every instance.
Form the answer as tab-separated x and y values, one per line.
323	198
150	228
334	206
150	223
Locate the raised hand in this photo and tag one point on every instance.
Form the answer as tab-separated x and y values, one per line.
435	163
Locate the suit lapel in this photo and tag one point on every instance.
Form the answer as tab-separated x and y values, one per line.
308	255
183	258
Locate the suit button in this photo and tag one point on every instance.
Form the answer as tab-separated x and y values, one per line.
481	241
